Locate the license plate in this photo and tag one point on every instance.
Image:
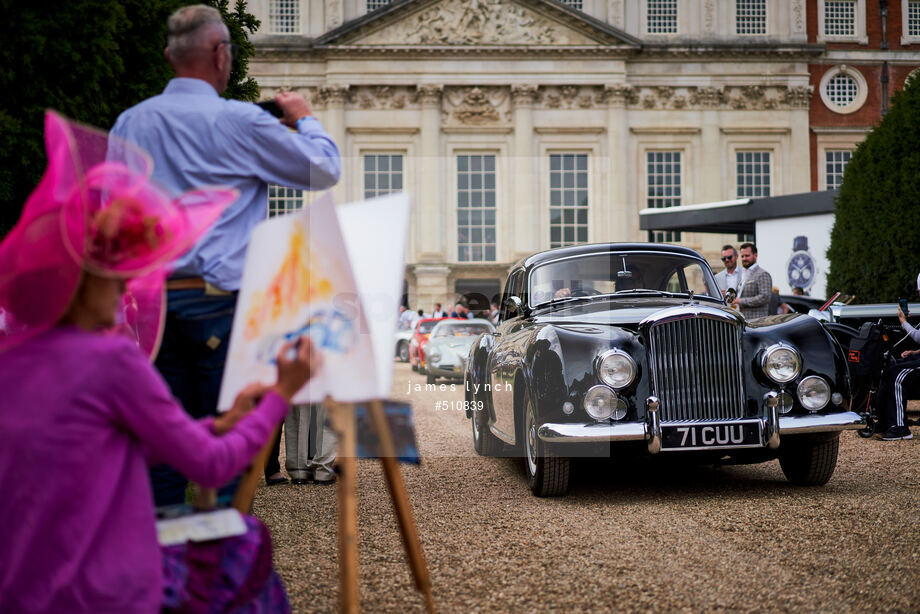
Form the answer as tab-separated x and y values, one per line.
710	435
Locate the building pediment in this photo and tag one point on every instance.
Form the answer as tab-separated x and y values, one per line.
477	23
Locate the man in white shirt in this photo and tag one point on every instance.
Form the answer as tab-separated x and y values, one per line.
731	276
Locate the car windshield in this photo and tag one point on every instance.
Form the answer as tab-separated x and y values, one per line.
620	273
460	329
425	326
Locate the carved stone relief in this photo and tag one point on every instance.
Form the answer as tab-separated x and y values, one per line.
491	105
615	13
334	14
709	16
477	106
476	22
798	16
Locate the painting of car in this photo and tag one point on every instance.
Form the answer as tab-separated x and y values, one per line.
449	346
417	342
629	348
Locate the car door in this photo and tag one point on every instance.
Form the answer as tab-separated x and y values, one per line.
503	362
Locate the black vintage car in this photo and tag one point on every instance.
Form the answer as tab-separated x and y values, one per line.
619	348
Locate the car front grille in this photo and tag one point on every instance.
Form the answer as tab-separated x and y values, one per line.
696	368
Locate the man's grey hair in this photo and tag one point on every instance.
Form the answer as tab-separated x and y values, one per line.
185	27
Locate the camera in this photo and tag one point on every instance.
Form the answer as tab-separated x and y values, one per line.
902	303
272	107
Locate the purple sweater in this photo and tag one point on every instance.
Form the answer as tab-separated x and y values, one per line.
82	415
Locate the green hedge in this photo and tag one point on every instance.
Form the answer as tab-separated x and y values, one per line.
875	243
90	60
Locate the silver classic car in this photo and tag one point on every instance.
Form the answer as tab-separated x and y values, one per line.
630	346
449	347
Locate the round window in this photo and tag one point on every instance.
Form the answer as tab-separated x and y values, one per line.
843	89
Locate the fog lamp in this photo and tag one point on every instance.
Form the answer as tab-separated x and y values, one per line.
600	402
813	393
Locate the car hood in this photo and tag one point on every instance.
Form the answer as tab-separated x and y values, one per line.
457	344
618	311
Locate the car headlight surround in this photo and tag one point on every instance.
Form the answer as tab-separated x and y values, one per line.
616	368
434	356
602	403
814	393
781	363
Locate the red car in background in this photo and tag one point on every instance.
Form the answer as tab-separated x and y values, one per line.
418	341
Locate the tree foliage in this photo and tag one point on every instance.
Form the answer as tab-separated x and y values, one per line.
90	60
875	242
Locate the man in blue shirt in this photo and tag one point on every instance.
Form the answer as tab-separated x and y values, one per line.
197	138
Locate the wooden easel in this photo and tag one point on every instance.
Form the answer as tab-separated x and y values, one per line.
342	416
343	421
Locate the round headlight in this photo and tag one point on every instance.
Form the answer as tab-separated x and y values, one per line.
601	402
617	369
434	356
781	363
813	393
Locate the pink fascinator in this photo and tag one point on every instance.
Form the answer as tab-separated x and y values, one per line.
96	209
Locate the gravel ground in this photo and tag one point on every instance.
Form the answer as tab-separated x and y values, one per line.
630	536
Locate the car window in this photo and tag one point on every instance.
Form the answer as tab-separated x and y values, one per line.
425	327
512	288
611	273
459	330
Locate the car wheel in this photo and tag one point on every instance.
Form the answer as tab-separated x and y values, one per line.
547	474
809	460
484	442
403	351
432	379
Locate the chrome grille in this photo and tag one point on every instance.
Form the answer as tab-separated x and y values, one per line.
696	369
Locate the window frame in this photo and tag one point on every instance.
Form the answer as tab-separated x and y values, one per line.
644	23
906	37
298	18
859	28
382	152
766	21
862	89
454	243
562	143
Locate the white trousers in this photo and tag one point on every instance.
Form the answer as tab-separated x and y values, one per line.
309	444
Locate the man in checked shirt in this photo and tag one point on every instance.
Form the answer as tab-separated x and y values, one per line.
756	285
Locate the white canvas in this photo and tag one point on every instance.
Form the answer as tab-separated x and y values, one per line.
334	273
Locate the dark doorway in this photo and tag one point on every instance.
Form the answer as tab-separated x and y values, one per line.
477	293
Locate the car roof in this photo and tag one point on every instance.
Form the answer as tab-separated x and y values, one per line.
599	248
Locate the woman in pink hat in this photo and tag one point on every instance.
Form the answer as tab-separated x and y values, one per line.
82	411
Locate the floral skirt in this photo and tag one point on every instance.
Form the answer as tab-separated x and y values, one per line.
225	575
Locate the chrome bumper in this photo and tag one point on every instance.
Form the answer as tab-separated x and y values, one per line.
817	423
650	430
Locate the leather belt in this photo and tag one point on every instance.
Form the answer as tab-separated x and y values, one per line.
195	283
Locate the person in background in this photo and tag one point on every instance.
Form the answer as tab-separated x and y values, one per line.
195	137
405	317
898	379
461	311
754	296
309	445
493	313
730	276
438	312
798	291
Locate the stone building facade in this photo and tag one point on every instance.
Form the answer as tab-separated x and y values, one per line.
520	125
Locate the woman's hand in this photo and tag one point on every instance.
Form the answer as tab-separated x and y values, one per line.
901	316
244	403
294	372
907	353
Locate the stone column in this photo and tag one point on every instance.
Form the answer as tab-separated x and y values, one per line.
619	222
799	179
430	210
522	226
431	287
334	122
714	166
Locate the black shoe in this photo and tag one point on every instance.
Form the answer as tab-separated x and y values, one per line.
276	481
324	482
300	481
897	432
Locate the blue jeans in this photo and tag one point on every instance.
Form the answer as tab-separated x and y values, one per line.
191	360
